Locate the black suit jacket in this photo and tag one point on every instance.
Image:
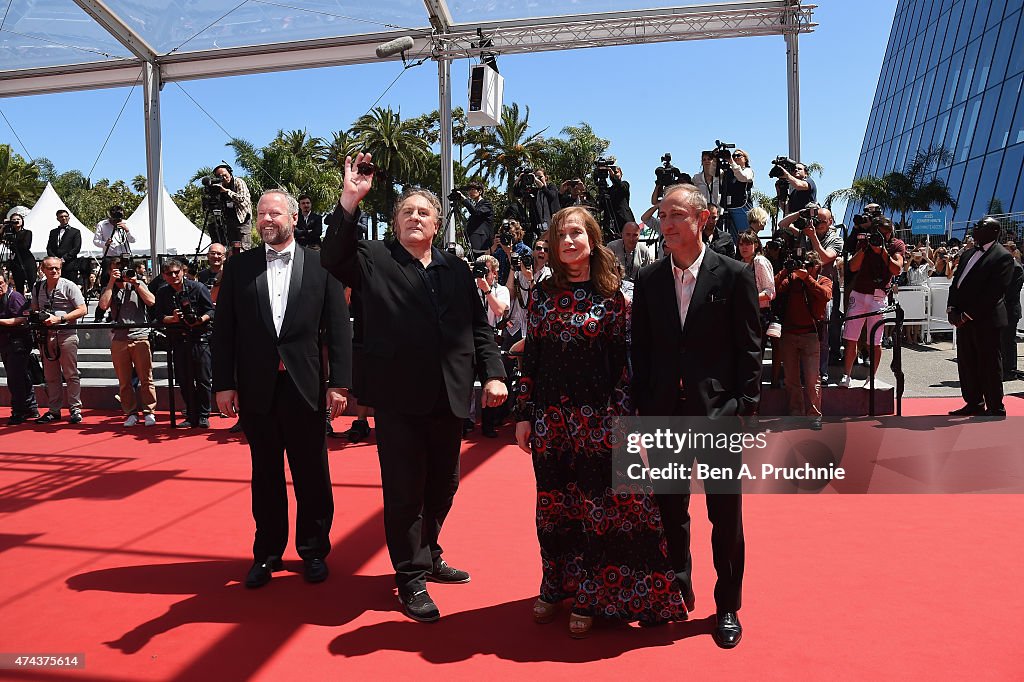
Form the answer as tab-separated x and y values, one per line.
68	246
308	231
246	348
717	357
414	356
480	225
982	292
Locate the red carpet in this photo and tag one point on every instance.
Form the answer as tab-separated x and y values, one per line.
128	545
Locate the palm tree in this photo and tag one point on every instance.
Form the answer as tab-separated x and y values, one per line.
915	188
343	143
573	156
139	183
508	147
399	152
19	179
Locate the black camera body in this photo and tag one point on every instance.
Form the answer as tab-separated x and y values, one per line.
667	175
602	166
7	233
505	236
795	261
213	183
184	305
39	316
723	157
481	270
808	216
525	181
455	196
116	216
779	163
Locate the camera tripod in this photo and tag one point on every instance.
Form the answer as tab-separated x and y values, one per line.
610	228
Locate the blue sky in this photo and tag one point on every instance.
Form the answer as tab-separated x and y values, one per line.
647	99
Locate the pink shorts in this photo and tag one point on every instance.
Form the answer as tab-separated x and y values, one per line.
860	304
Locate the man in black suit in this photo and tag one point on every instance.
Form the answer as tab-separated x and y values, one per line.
277	306
697	353
1008	337
424	337
976	309
310	226
65	242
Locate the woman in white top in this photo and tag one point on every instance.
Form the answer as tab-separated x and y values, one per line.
919	269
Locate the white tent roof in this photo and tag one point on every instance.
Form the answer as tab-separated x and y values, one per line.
43	218
180	235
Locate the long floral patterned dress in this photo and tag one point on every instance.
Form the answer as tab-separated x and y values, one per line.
601	545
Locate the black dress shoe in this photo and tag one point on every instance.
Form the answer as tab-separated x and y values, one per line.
1000	412
967	411
315	570
490	432
261	572
359	431
236	427
467	426
419	606
728	631
17	419
443	573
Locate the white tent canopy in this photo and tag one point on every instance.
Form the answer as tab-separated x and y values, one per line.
180	236
43	218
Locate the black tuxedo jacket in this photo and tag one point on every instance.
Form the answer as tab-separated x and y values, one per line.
716	359
415	357
480	225
247	350
308	231
981	293
68	246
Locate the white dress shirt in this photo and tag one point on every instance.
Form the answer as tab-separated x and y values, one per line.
279	276
685	282
975	257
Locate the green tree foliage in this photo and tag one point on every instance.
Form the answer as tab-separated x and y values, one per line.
507	147
19	179
572	155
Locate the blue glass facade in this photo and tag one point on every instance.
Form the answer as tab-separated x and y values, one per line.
952	76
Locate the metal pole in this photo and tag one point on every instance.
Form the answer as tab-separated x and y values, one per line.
792	38
154	159
444	87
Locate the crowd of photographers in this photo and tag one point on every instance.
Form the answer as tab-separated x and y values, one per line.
799	272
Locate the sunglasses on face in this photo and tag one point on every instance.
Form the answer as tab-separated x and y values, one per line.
173	273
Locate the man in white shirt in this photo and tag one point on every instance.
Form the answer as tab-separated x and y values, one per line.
114	238
495	299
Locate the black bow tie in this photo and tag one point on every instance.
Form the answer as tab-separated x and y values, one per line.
275	255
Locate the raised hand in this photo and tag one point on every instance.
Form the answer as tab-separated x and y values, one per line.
355	186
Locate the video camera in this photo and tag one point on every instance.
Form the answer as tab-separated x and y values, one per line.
779	163
455	195
667	175
526	178
212	184
723	157
7	233
601	168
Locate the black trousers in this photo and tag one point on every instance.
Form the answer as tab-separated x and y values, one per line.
1008	346
193	374
725	512
419	470
979	365
15	356
291	428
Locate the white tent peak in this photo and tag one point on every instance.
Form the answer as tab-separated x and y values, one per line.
180	236
43	218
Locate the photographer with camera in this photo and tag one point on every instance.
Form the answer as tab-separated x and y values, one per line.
795	187
737	185
802	294
186	307
480	224
17	243
526	273
545	203
879	258
128	299
814	230
494	298
15	352
65	242
112	235
310	227
573	193
617	191
508	242
232	194
56	302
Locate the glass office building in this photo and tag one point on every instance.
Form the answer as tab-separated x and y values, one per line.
952	76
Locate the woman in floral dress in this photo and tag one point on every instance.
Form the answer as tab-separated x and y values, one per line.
602	545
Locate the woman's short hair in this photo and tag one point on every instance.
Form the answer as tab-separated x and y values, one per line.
758	215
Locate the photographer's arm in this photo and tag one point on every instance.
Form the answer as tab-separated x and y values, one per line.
895	263
652	211
795	182
107	295
145	295
857	259
742	174
787	223
827	256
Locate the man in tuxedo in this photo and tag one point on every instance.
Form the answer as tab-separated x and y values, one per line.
424	337
480	225
65	242
697	353
310	226
277	306
976	309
